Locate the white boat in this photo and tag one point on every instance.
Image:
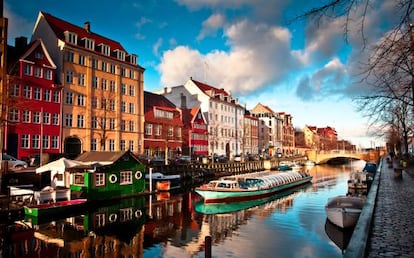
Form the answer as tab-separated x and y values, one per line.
250	186
344	211
309	163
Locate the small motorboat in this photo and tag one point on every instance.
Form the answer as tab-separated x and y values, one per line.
344	211
164	182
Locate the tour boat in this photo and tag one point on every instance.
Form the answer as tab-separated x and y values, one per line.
54	208
251	186
344	211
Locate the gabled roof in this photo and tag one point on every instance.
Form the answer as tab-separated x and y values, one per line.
59	26
260	108
152	99
101	156
35	44
207	88
189	115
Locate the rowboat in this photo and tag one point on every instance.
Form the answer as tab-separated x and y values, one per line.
250	186
54	208
344	211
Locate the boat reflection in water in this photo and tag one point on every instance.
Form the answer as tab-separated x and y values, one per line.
340	236
115	230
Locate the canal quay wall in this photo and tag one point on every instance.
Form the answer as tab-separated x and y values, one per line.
386	227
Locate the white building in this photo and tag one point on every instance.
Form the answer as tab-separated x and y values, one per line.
224	115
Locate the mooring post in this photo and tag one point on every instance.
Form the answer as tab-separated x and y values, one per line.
207	241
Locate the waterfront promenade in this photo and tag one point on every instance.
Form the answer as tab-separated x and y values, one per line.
389	230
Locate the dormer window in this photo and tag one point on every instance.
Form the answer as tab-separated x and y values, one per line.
133	59
105	49
71	37
120	54
89	44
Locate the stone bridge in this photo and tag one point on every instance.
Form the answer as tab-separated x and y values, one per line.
321	157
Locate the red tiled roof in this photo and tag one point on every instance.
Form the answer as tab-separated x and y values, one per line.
160	102
205	87
60	26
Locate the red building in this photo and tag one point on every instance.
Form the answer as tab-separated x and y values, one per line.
163	126
195	136
33	123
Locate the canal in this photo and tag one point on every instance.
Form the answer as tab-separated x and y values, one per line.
290	224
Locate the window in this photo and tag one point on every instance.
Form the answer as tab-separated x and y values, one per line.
105	49
36	117
81	60
56	97
69	98
27	69
68	119
99	179
36	141
15	90
122	144
94	122
81	79
55	142
131	108
123	72
14	115
70	57
133	59
27	92
111	145
131	90
112	86
112	69
24	143
46	118
170	131
148	129
69	77
94	102
131	145
120	55
55	119
39	55
36	94
71	37
78	179
48	74
45	142
95	82
104	66
26	116
81	100
123	125
112	124
112	105
131	74
46	95
103	123
103	84
131	126
123	89
123	106
38	72
93	145
103	103
94	64
125	178
89	44
80	121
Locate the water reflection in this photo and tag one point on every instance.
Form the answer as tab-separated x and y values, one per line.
176	225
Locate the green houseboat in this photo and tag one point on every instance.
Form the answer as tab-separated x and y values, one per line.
107	175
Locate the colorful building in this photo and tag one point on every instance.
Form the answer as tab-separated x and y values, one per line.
195	134
163	127
33	101
102	100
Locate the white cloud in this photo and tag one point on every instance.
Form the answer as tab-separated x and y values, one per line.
211	25
156	46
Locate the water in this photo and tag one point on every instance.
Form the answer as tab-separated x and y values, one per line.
292	224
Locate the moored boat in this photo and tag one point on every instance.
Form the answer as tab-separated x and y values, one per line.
163	182
357	180
344	211
251	186
50	209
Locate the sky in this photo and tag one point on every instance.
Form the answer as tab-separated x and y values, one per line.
255	49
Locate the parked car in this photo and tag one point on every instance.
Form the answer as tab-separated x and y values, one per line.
157	161
222	159
12	162
237	158
183	160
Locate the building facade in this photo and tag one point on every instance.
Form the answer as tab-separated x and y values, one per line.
33	102
102	99
195	133
250	143
163	127
288	135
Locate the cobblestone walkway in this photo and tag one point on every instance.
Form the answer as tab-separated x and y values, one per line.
392	232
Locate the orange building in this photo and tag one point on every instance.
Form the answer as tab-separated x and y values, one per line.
102	101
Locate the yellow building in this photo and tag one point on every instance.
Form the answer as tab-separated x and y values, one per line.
102	99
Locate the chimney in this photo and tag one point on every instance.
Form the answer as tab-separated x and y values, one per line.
20	43
87	26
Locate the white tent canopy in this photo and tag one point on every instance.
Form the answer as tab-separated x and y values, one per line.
59	165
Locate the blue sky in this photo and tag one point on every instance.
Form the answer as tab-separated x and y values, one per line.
252	49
